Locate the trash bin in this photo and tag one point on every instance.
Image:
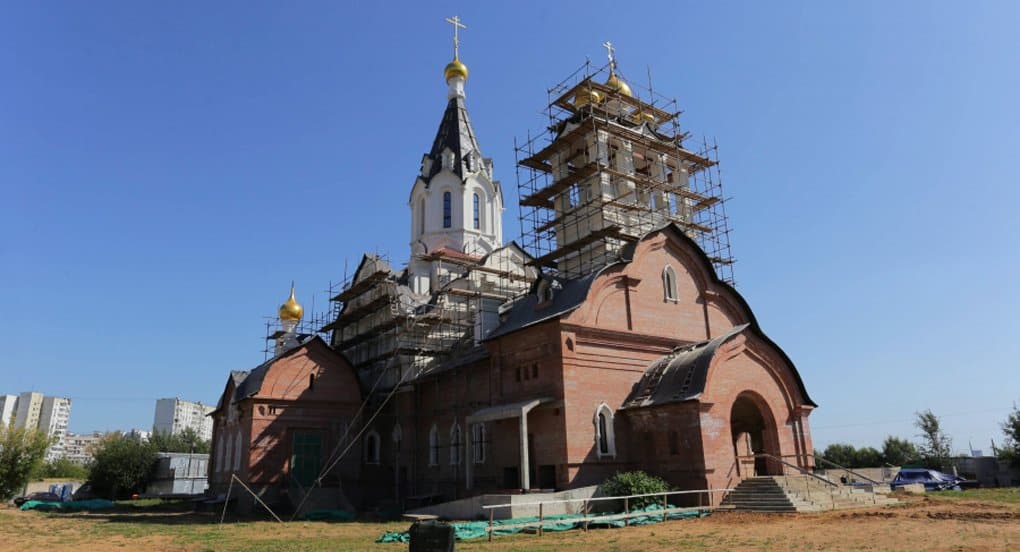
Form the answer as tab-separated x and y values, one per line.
432	536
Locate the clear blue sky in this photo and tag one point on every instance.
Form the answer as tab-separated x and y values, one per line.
167	169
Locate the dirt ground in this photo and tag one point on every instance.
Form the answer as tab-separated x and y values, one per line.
975	520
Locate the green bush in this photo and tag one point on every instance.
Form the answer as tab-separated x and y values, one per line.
122	465
634	483
64	469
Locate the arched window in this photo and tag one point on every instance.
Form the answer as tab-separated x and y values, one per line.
434	446
237	452
219	451
447	210
372	447
229	448
456	445
476	207
398	437
669	283
605	439
478	442
421	216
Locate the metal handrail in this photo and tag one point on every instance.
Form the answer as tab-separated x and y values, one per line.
848	470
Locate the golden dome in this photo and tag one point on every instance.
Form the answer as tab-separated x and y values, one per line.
291	310
646	116
617	84
455	69
585	96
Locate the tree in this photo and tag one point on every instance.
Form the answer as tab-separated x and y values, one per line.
936	445
867	457
122	465
65	469
1010	451
21	455
187	440
841	454
898	452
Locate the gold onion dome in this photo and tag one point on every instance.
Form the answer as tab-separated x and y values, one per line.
291	310
617	84
455	69
587	96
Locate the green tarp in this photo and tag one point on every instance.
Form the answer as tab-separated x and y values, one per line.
466	530
70	506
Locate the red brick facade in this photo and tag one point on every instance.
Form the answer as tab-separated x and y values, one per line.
560	372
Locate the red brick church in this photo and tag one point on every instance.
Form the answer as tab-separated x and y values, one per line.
610	339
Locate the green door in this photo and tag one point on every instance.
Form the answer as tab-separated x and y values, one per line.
306	458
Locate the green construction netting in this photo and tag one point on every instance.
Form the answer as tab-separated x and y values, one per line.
466	530
70	506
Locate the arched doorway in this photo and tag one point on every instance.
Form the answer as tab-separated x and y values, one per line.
753	429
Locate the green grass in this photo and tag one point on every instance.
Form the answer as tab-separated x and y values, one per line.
1005	495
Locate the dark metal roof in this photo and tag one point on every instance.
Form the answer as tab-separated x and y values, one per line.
679	376
567	296
455	132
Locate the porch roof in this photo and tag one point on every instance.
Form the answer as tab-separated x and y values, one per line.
504	411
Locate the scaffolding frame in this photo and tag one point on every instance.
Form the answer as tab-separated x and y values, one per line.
569	224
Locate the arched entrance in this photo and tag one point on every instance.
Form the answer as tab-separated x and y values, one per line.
753	429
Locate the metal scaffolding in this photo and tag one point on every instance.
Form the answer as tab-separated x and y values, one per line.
609	168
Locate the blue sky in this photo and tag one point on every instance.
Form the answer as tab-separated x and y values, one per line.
167	169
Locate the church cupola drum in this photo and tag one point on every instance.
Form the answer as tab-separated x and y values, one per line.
456	204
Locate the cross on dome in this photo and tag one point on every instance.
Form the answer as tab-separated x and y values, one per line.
457	25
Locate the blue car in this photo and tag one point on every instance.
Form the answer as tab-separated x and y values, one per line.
931	479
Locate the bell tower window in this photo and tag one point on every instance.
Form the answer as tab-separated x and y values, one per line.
477	211
421	216
447	210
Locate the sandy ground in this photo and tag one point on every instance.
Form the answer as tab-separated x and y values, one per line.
922	523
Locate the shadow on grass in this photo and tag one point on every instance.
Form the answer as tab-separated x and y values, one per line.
180	512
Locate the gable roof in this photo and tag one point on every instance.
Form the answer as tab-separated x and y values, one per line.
575	290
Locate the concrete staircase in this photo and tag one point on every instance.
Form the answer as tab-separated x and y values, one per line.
800	493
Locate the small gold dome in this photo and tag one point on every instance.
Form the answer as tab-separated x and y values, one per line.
647	117
455	69
291	310
586	96
617	84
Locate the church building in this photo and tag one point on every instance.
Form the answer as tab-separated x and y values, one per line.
609	339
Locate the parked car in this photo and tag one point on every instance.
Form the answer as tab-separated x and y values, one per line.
41	496
932	480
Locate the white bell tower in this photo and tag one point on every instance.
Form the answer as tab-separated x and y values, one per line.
455	203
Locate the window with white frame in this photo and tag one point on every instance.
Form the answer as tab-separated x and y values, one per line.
605	440
456	445
478	442
434	446
372	447
669	283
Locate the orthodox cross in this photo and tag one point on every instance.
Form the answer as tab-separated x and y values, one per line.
457	25
609	51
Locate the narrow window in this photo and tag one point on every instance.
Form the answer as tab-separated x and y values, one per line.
605	441
603	435
372	448
237	453
311	382
534	370
434	446
421	216
518	373
674	443
669	283
477	211
447	210
478	443
456	445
